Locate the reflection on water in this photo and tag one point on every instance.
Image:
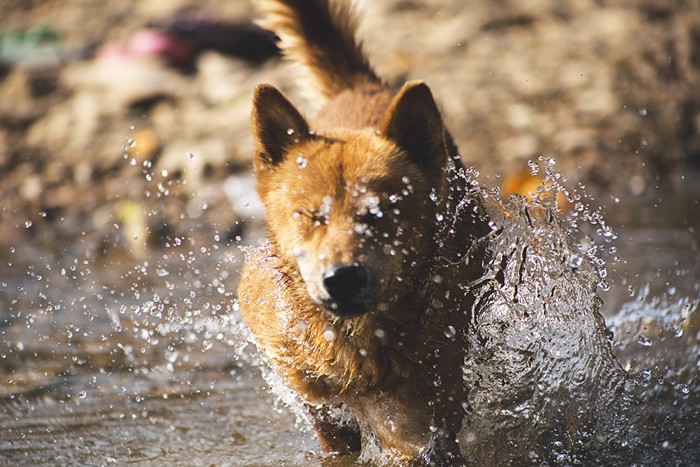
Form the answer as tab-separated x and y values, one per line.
110	360
200	418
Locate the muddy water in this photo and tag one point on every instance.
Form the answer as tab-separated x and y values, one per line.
123	360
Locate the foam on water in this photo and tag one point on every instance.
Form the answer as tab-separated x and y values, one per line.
540	373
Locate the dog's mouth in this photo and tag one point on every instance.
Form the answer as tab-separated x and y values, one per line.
345	309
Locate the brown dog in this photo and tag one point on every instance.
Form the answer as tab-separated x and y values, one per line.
380	261
353	301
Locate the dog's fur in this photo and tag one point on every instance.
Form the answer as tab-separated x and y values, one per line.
366	186
380	259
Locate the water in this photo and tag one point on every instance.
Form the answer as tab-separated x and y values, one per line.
143	359
112	364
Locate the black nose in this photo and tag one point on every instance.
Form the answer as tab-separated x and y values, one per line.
345	282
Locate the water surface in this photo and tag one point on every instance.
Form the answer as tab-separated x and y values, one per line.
119	359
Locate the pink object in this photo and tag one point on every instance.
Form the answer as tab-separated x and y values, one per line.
150	43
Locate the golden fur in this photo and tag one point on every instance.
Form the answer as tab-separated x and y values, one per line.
363	186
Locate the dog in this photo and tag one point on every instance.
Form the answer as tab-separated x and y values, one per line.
348	301
362	297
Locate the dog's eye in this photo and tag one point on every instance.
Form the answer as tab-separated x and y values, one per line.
369	209
317	218
369	218
320	219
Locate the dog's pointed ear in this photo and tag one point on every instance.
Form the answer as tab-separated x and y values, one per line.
277	126
413	121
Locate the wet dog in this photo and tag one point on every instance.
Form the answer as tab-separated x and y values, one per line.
351	300
362	298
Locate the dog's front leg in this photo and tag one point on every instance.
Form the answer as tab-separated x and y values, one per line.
443	450
337	428
448	412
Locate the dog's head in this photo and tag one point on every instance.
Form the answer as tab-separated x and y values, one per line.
354	210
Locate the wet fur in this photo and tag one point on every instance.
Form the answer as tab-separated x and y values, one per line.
395	368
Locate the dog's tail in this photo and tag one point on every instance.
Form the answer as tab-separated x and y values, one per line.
321	36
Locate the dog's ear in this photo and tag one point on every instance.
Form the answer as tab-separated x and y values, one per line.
413	121
277	126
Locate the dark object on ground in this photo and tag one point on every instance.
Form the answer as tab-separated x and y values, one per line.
240	39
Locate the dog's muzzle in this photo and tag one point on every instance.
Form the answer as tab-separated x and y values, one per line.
346	286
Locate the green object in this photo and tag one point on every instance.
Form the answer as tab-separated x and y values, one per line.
28	38
37	47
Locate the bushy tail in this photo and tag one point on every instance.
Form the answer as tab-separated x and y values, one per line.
320	35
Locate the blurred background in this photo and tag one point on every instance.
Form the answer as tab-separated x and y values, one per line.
125	193
108	109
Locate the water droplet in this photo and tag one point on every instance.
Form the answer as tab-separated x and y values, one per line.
360	228
578	378
290	131
644	340
329	335
301	162
28	224
534	167
575	261
643	112
645	377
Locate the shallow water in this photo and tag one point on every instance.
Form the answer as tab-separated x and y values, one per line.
115	360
